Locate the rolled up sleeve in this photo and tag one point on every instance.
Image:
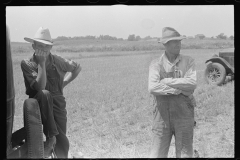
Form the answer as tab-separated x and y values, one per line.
29	72
155	86
67	65
188	82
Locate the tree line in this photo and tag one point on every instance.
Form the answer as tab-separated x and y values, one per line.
220	36
88	37
131	37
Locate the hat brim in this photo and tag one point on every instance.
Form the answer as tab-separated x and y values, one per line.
38	40
169	39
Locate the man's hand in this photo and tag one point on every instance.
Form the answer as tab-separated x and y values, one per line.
65	83
41	79
41	56
71	76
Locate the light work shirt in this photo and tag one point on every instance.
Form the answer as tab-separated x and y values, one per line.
166	78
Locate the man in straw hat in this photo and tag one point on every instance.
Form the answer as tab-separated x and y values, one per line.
44	77
172	81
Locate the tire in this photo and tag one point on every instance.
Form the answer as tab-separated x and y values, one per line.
215	74
33	126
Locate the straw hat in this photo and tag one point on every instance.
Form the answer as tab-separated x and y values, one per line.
42	35
169	34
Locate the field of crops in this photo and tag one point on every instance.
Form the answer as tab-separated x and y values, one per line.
79	46
110	109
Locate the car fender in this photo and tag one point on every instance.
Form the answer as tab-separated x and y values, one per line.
227	66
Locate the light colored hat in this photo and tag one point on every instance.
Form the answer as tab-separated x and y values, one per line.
169	34
42	35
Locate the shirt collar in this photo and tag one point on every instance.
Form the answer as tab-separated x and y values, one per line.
179	57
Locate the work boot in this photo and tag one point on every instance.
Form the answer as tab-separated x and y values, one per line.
49	146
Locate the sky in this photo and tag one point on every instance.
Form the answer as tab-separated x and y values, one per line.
119	20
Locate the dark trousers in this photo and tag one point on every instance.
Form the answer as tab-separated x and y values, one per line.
54	119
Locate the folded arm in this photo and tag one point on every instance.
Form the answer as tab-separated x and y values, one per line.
71	76
155	86
188	83
69	66
36	78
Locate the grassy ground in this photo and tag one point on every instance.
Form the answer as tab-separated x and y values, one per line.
110	109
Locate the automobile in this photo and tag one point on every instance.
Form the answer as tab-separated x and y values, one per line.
220	68
27	142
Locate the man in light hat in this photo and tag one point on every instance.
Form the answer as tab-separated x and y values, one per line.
44	80
172	81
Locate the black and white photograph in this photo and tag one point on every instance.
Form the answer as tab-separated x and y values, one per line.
120	81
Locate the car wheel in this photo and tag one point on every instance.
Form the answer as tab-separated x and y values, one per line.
33	125
215	74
